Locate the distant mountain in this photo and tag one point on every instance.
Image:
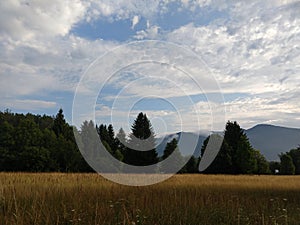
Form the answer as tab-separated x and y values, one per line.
188	142
272	140
269	139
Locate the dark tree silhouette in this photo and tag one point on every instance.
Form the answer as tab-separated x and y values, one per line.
172	148
236	155
286	165
141	150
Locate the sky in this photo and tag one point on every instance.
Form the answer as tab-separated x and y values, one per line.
244	54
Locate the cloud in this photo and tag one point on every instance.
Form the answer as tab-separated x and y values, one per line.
253	52
253	110
253	49
28	104
152	32
24	21
135	21
163	121
37	52
122	9
27	70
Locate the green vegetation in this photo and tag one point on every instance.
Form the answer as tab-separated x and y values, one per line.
35	143
38	143
236	155
60	198
140	139
290	162
287	167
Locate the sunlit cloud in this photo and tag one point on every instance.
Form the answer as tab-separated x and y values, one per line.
251	49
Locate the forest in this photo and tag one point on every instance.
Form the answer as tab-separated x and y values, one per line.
43	143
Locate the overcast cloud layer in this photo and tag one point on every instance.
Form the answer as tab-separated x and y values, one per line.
251	47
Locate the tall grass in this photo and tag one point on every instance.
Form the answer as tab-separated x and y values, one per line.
29	199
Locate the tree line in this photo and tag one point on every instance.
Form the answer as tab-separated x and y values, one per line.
45	143
38	143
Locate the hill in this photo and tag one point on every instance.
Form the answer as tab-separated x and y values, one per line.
272	140
269	139
187	139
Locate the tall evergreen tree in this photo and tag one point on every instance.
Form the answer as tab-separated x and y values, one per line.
141	150
111	138
223	161
111	132
233	133
172	148
121	141
89	139
59	123
244	161
66	151
236	154
103	133
286	165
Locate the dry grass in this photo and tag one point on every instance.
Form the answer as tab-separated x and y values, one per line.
28	199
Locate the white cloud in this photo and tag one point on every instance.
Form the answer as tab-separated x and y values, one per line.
251	52
135	21
163	121
23	21
37	53
254	50
28	70
193	3
122	9
253	110
152	32
28	104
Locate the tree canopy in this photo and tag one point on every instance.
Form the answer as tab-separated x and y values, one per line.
38	143
236	155
141	150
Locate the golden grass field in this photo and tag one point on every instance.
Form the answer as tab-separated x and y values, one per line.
56	198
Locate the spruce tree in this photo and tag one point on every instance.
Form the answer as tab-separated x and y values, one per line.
111	138
172	148
59	123
141	150
121	141
236	155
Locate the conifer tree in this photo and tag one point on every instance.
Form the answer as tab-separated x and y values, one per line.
141	150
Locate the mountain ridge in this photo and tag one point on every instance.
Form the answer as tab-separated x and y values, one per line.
270	140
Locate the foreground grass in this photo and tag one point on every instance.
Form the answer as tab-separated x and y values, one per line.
28	199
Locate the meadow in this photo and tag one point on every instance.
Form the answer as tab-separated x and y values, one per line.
61	198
